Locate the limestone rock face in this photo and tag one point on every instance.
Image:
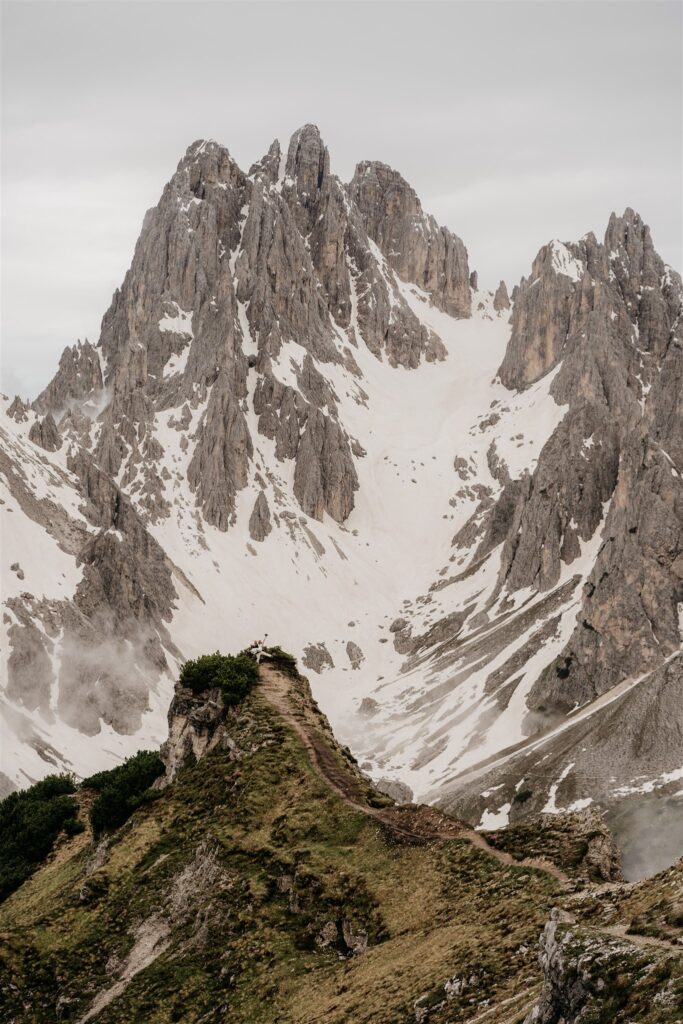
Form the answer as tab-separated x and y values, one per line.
354	654
541	315
324	477
219	466
411	242
609	459
18	410
78	379
501	299
45	433
259	521
228	272
196	724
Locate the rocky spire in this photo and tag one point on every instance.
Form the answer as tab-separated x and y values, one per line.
610	315
501	299
44	433
78	379
412	243
18	410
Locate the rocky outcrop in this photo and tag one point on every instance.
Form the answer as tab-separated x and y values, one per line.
354	654
18	410
580	307
541	314
579	842
196	724
259	520
317	658
324	476
412	243
501	299
77	381
398	791
219	466
565	992
593	976
44	433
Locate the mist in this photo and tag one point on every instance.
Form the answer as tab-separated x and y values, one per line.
649	833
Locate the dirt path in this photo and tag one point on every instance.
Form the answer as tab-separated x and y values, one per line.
620	931
415	822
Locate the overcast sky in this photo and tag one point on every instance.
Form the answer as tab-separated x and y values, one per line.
515	122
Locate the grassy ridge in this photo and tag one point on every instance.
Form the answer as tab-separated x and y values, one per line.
290	877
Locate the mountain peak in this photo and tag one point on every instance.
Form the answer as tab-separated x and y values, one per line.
257	410
308	161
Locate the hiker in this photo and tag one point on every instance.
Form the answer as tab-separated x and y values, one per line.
258	650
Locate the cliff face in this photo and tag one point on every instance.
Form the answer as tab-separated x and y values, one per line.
196	724
604	978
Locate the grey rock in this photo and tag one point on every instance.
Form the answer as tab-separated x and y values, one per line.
219	466
612	446
324	476
354	654
259	521
501	299
18	410
29	666
44	432
540	320
412	243
196	724
317	657
368	707
398	791
78	380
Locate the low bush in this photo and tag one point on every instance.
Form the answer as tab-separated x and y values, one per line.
283	662
30	822
234	675
122	790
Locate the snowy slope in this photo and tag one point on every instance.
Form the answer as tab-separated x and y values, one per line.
279	432
310	582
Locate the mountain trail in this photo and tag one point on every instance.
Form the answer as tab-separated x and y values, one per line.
416	822
644	941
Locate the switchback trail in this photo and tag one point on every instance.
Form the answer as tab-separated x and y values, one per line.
418	822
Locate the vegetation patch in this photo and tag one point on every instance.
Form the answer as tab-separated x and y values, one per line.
30	822
234	675
122	789
283	662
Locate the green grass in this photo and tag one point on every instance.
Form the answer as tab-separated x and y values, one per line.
294	862
255	860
